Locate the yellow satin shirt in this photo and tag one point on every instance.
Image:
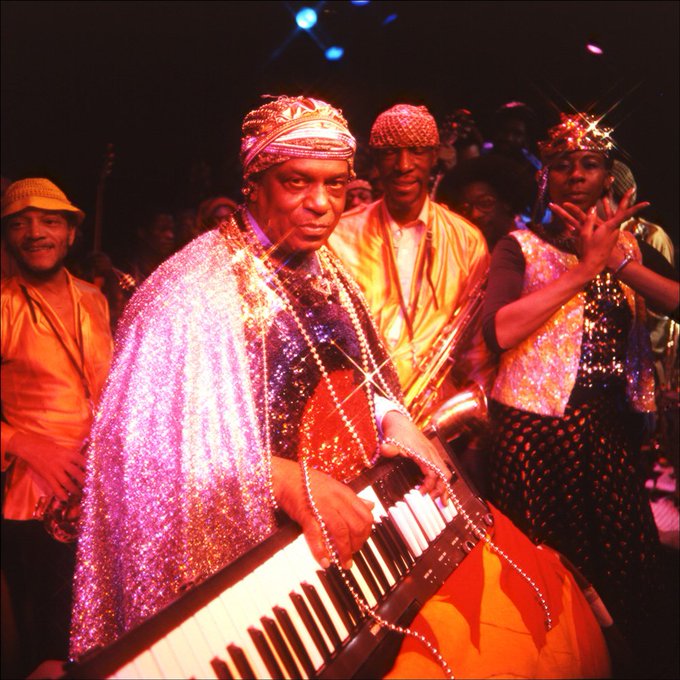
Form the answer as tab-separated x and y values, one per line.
50	382
443	279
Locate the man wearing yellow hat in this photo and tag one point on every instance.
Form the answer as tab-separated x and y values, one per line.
56	352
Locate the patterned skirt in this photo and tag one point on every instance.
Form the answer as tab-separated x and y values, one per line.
575	483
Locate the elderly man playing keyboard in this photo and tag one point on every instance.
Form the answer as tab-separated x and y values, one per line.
249	387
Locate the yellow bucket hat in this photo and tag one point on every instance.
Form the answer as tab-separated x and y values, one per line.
40	193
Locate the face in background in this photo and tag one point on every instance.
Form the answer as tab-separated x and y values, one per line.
185	221
580	177
38	240
405	176
159	235
358	196
299	202
511	136
221	212
484	207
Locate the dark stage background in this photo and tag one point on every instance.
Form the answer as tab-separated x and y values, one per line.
168	83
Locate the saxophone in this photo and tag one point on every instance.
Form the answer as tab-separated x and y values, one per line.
60	518
422	391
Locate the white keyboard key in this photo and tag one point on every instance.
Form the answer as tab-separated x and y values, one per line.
147	667
415	501
215	639
404	528
127	672
365	589
417	531
383	566
434	513
238	608
187	653
446	510
165	659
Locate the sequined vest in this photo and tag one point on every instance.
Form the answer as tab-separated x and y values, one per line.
539	374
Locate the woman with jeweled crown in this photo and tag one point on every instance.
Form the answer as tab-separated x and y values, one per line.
565	310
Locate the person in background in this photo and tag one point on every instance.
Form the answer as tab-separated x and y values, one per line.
116	285
185	226
644	230
663	329
513	134
212	211
56	351
419	265
155	242
359	192
459	140
491	192
415	261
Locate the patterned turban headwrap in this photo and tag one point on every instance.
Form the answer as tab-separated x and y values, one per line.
294	127
576	132
404	126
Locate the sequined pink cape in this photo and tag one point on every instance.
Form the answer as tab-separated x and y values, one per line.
176	472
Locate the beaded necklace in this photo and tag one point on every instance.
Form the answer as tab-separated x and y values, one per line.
333	279
371	370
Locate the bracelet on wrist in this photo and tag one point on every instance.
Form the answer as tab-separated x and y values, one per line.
623	263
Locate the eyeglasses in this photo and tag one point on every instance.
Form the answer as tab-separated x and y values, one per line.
484	204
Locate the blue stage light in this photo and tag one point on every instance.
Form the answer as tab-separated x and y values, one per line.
306	18
389	19
360	3
334	53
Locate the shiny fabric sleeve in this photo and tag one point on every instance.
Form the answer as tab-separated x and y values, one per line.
475	363
655	260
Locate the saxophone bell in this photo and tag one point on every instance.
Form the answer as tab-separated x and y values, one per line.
60	518
463	412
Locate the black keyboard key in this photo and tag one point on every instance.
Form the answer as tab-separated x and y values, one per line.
389	551
322	614
221	669
266	654
365	570
337	577
376	566
404	550
310	623
280	645
240	661
294	639
339	601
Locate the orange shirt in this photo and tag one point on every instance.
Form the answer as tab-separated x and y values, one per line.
50	382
